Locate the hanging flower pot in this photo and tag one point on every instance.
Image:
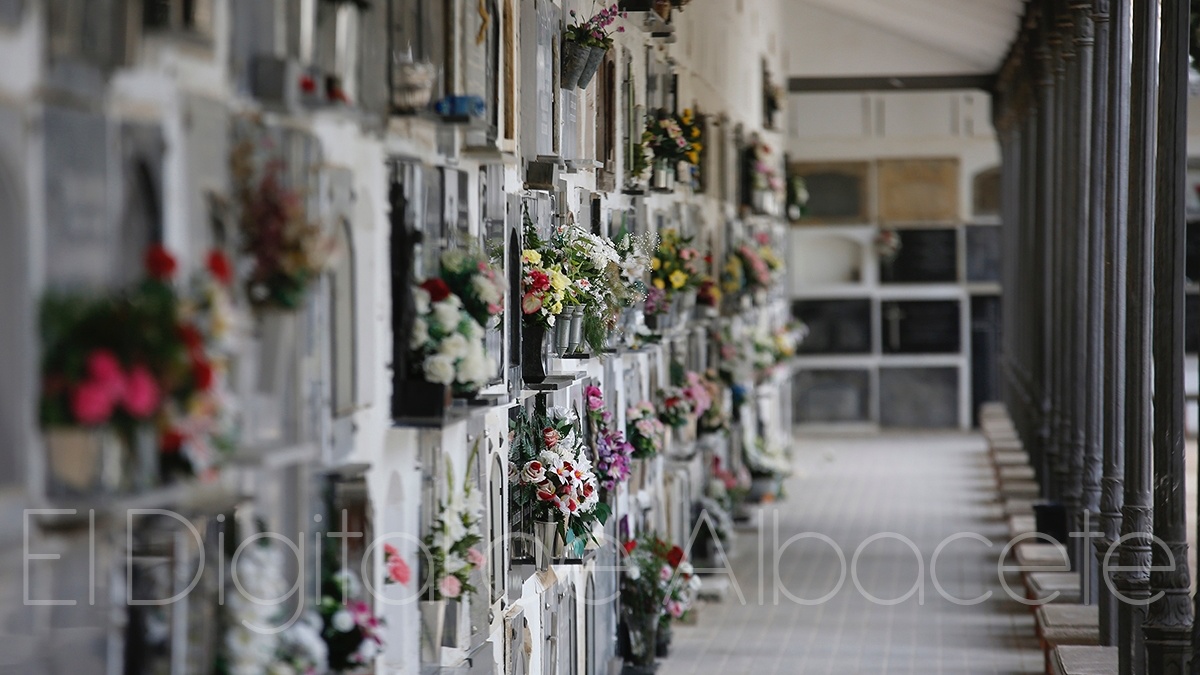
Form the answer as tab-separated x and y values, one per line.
533	353
433	627
595	58
663	178
85	462
575	58
547	543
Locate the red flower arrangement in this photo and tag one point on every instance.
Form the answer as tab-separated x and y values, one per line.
125	360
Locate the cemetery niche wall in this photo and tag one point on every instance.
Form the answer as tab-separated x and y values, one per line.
343	259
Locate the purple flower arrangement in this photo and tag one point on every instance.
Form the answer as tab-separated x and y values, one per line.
614	454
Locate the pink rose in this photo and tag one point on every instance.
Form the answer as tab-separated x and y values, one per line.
595	403
476	558
92	403
665	573
141	392
398	570
391	551
450	586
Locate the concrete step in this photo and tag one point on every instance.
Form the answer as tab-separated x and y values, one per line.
1016	472
1038	553
1053	587
1016	506
1075	660
1003	458
1021	525
1020	489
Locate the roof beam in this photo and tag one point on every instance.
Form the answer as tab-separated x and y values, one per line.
812	85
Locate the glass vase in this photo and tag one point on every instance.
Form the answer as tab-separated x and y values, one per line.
643	636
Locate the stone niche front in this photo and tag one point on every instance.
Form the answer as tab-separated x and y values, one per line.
825	396
835	326
919	398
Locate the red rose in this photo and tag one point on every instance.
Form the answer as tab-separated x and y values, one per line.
437	289
160	264
191	337
630	545
307	84
171	441
544	495
551	437
539	281
675	556
202	373
219	267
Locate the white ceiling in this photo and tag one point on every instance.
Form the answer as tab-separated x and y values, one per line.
894	37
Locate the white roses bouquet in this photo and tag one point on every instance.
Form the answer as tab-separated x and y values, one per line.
448	341
553	474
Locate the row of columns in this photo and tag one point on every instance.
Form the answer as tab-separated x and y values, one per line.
1091	114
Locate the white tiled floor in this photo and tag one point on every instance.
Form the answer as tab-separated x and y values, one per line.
923	487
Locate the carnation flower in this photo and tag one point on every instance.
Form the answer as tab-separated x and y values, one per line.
450	586
141	393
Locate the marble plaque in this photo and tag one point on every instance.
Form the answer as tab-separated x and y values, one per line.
984	244
918	190
838	192
921	326
835	326
824	396
84	241
926	256
919	398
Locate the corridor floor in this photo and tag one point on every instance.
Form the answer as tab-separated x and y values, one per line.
922	488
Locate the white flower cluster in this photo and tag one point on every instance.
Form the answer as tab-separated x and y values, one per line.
452	342
255	583
302	650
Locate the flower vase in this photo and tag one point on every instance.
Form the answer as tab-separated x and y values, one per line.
663	177
683	307
684	174
84	462
547	543
662	644
433	627
533	353
419	399
643	636
595	58
562	332
576	335
575	58
412	85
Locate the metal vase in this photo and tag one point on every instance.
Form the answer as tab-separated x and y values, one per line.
433	630
547	544
575	58
595	58
576	330
562	332
663	177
